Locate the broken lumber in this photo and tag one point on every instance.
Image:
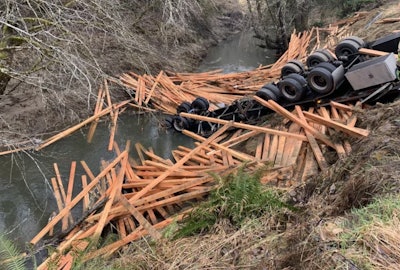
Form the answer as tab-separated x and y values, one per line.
244	126
352	131
279	109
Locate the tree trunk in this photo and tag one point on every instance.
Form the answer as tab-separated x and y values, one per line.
282	38
301	17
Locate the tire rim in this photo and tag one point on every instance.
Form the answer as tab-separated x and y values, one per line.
319	82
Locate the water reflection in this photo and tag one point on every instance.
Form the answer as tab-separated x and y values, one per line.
236	54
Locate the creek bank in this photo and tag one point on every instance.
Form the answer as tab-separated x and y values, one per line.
30	111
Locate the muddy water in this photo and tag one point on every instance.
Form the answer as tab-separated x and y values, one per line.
237	53
26	198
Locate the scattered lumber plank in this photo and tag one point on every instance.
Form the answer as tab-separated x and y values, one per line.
319	157
372	52
338	146
115	190
69	194
97	109
244	126
279	109
113	129
352	131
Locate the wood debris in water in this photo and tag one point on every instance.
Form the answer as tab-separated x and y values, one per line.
137	200
169	89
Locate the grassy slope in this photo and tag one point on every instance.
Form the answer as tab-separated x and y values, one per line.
347	218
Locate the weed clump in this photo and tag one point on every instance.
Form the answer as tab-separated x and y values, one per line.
371	235
238	198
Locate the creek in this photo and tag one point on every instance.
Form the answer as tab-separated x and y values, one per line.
26	196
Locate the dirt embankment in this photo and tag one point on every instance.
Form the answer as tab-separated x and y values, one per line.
57	68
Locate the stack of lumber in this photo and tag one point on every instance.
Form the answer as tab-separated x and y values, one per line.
138	198
341	29
297	146
167	90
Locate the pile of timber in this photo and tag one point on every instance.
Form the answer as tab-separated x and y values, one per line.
167	90
139	198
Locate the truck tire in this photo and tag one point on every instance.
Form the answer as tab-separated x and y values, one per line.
200	104
329	66
325	78
168	122
266	94
269	88
180	123
293	88
273	88
293	66
317	57
347	48
320	80
184	107
356	39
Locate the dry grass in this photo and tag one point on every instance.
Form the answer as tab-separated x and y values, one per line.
224	248
382	243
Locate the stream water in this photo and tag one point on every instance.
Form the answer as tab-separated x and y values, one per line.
26	197
237	53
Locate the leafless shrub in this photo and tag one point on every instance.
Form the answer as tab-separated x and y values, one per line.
60	50
273	20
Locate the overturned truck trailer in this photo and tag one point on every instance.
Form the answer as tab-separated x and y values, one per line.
357	71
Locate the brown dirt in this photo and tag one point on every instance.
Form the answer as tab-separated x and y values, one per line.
20	113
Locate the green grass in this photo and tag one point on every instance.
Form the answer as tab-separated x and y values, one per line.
371	229
380	210
238	198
